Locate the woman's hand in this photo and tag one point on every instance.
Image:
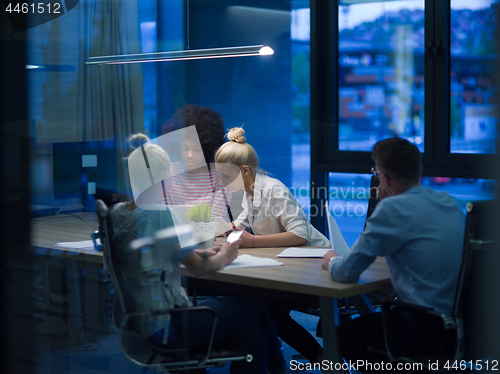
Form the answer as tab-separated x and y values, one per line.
207	252
230	250
247	239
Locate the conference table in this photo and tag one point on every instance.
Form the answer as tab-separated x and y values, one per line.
298	279
82	268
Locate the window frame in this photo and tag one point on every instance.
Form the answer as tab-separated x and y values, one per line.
437	161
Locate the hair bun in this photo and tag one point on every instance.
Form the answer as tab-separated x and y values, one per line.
237	135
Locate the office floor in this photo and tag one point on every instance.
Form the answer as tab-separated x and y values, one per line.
58	354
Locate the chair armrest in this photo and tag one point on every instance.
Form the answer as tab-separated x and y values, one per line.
387	305
159	347
192	309
449	322
418	334
166	313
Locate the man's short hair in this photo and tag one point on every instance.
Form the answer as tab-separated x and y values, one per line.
399	159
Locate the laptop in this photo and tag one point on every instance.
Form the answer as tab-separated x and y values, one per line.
337	241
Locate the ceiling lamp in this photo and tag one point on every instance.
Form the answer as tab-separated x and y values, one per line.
189	54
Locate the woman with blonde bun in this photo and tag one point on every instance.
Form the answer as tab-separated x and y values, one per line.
269	208
276	220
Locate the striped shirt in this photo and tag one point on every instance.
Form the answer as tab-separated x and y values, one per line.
205	187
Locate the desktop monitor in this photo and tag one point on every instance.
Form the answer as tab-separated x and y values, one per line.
85	170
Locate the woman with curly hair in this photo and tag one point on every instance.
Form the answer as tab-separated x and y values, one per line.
195	179
276	219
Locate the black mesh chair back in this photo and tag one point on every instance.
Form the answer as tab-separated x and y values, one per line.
373	198
477	304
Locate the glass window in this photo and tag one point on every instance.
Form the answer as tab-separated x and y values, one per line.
349	193
380	73
474	116
301	87
464	190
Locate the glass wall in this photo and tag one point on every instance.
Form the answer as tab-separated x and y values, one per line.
82	116
301	90
98	107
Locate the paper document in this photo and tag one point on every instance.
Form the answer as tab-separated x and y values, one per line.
336	238
78	245
304	252
339	245
247	261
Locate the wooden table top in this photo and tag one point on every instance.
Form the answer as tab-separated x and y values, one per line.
46	232
298	275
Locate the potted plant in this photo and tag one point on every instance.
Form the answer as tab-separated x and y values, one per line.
203	226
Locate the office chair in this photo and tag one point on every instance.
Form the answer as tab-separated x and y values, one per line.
386	294
480	309
147	352
441	337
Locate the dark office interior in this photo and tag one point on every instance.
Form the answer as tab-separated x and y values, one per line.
340	79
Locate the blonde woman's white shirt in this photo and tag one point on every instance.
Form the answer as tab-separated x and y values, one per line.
273	210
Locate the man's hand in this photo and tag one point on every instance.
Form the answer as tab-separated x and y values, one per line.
326	259
383	192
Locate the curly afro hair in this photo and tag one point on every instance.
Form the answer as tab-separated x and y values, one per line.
209	126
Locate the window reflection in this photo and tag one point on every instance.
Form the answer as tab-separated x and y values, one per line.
269	96
474	117
349	193
348	201
381	73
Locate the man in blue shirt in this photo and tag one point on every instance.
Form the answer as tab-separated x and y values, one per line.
419	231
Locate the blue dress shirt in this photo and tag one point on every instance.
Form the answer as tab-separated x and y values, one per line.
421	234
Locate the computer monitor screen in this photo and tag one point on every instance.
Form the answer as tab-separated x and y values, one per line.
84	168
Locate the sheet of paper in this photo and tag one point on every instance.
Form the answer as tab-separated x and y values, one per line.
78	245
248	261
304	252
339	245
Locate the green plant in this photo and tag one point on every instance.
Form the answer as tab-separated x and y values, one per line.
200	213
